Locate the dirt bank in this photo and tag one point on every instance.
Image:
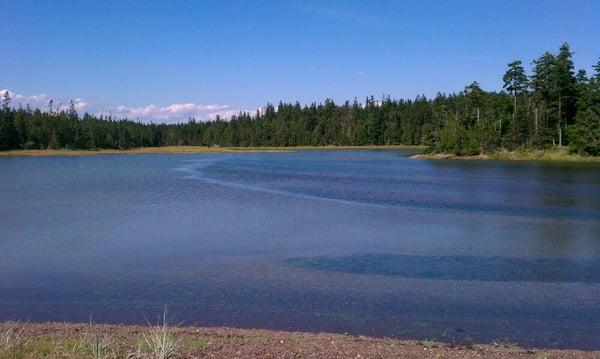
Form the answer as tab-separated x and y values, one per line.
59	340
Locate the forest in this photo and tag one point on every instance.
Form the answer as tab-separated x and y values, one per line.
552	106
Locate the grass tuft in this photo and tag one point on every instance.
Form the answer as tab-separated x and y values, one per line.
92	343
99	346
11	337
158	342
429	344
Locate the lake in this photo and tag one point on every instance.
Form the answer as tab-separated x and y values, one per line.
359	242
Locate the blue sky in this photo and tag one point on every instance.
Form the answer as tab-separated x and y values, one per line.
209	57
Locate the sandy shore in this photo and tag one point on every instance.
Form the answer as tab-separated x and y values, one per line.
192	149
60	340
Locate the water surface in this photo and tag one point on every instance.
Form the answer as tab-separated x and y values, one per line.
363	242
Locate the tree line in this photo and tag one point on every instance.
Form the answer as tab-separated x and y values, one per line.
553	106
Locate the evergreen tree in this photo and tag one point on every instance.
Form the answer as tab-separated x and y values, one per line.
469	122
584	136
516	83
5	100
564	89
542	84
597	69
7	130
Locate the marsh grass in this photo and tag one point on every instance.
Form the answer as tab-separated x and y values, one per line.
96	343
162	341
158	342
192	149
92	342
11	337
555	154
550	154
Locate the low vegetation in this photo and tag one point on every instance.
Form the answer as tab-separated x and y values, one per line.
86	341
158	342
11	337
193	149
161	341
550	154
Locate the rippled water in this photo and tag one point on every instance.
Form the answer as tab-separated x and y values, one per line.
365	242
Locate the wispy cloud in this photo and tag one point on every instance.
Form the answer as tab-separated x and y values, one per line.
173	113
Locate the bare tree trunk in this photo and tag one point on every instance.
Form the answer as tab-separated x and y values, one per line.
477	114
536	120
559	119
559	135
514	106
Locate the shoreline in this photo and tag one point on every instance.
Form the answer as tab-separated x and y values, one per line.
550	155
194	149
71	340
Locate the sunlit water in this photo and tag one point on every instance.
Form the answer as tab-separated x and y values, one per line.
362	242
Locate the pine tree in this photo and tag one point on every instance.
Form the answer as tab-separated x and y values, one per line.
564	88
475	96
469	122
584	136
515	82
542	85
597	69
5	100
8	135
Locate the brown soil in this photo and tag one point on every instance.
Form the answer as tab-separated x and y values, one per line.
197	342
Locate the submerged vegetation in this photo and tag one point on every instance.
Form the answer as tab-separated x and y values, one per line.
554	106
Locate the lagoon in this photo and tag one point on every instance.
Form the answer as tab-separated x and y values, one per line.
362	242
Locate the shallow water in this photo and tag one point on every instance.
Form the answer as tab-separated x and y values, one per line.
364	242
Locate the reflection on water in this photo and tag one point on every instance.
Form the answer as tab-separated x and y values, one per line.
364	242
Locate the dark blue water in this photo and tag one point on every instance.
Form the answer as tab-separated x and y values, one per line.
363	242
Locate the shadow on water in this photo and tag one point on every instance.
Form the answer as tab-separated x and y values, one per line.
498	269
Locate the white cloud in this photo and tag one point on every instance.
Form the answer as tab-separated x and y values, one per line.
35	101
42	101
173	113
177	112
